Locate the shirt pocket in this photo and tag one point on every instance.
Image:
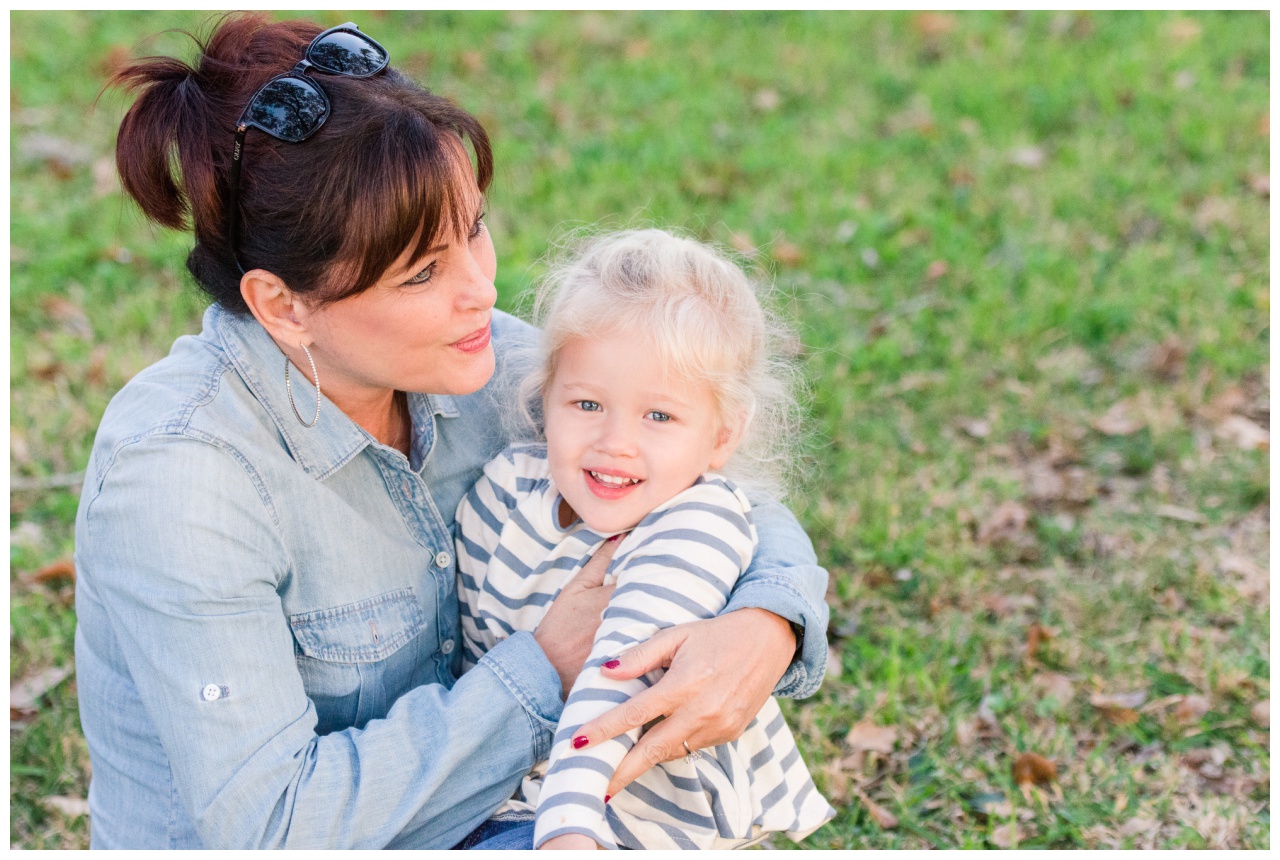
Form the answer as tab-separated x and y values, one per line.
347	655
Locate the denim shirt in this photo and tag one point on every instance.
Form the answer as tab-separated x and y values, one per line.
267	643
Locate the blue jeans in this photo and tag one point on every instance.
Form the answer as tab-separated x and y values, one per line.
501	834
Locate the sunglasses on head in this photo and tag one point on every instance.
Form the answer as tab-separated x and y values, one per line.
292	107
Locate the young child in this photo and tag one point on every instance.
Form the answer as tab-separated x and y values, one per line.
656	384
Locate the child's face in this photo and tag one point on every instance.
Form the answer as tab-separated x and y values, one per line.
621	437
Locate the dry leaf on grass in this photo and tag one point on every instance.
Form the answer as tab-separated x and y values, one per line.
866	735
1261	713
1055	685
1250	579
1118	700
1260	184
1005	521
931	24
63	570
978	428
882	816
1168	359
1191	709
1186	515
71	807
1119	420
1032	769
1135	826
1037	635
69	315
26	693
1244	433
787	253
936	270
1005	836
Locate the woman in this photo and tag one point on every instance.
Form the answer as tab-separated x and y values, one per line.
266	649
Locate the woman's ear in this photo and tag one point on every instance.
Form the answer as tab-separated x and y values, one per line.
275	306
727	441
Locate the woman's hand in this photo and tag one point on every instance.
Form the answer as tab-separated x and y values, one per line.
569	842
567	630
719	674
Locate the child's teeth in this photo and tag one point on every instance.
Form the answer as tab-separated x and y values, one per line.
610	479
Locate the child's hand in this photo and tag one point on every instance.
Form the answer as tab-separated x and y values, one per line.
569	842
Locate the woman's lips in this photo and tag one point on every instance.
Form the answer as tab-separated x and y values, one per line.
608	492
475	341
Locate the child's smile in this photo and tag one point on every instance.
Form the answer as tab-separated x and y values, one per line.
622	435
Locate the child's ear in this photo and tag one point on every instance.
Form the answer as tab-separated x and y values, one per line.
727	441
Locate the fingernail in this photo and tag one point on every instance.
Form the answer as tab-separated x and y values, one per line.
580	741
614	538
613	664
608	797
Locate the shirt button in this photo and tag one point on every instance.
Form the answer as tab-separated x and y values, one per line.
446	647
443	559
211	692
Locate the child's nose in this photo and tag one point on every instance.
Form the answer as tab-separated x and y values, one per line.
616	439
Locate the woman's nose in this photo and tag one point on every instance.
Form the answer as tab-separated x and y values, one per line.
478	292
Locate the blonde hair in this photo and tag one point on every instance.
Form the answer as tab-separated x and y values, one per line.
707	322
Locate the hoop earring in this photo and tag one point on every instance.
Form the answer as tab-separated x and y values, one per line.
289	388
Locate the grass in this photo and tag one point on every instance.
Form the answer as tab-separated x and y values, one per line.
990	229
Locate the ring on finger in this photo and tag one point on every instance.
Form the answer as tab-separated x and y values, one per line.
691	755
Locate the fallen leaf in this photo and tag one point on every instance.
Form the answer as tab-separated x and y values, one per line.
1032	769
834	667
1037	635
1030	157
1121	716
1184	30
978	428
1004	605
1244	433
1186	515
637	49
472	61
1135	826
836	780
767	99
742	243
63	570
1118	421
936	270
1168	359
866	735
1006	835
1055	685
786	253
1230	400
1191	709
71	807
1005	521
26	693
1253	580
882	816
1260	184
1118	700
70	315
1261	713
933	24
966	732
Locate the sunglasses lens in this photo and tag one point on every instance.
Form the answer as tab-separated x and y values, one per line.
348	53
290	108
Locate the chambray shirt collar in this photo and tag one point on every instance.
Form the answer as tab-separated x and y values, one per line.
335	439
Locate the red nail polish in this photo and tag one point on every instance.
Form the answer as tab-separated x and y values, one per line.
608	797
580	741
613	664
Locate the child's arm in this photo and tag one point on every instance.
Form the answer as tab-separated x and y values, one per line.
480	517
675	567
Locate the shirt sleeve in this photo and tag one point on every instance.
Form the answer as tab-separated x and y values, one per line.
784	577
679	567
190	593
480	517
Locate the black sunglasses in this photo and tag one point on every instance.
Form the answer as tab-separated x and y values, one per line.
292	107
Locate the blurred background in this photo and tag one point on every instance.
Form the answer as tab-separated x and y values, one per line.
1027	259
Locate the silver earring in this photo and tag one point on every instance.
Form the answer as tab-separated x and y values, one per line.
289	388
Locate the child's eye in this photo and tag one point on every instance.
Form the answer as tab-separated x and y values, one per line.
587	405
422	277
655	415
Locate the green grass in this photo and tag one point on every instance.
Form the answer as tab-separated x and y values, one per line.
985	226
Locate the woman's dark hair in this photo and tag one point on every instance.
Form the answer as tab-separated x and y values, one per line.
328	215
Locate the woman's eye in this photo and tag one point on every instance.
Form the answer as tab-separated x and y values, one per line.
587	405
478	227
422	277
655	415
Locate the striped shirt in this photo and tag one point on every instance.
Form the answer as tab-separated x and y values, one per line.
677	565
